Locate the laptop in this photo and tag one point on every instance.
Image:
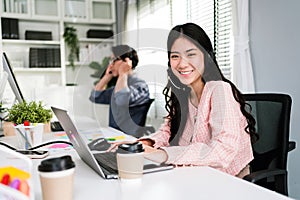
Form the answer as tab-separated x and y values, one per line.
97	161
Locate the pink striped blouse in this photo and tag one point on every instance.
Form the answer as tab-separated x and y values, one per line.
214	134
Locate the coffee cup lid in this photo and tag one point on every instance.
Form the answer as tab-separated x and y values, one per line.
56	164
136	147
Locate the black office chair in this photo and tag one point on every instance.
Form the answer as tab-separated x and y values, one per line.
139	113
143	129
272	115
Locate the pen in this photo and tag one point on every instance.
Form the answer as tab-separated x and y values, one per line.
120	137
27	144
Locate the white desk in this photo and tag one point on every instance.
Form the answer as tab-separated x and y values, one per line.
180	183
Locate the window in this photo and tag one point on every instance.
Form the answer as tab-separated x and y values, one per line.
214	16
223	35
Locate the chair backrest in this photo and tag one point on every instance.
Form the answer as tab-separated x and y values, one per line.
139	113
272	114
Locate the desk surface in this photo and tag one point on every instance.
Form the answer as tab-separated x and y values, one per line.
179	183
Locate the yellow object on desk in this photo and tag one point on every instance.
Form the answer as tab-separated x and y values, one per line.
14	173
120	137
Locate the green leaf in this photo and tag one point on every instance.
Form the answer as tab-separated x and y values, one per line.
34	112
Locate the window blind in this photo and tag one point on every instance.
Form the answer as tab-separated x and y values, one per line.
202	13
215	17
223	35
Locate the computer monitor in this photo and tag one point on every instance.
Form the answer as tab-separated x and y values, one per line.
12	79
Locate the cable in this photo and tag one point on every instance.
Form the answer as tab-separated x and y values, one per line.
52	142
36	147
8	146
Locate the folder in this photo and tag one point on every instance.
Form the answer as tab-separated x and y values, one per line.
14	29
5	24
10	28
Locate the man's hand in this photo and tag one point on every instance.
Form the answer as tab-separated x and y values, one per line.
125	67
108	71
101	85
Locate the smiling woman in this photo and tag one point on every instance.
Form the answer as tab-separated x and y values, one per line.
207	123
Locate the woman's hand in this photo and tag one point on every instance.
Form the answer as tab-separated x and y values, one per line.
147	141
150	153
155	155
114	146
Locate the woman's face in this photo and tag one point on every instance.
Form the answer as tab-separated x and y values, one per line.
187	61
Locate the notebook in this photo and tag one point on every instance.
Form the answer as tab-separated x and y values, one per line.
97	160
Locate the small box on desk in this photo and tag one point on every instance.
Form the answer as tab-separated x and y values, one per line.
38	35
99	33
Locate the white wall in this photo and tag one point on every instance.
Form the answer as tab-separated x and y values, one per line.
275	48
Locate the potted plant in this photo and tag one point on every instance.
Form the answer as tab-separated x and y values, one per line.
72	42
30	112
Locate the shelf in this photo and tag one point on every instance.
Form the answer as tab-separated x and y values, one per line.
53	16
80	21
28	42
102	11
51	10
37	70
95	40
78	64
31	9
23	17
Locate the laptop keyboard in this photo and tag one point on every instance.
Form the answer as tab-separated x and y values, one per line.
107	160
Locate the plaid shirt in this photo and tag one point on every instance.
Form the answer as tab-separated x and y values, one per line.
214	134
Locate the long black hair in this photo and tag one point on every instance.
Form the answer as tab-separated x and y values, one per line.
177	94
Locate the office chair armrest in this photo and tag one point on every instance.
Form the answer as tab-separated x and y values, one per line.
258	175
292	145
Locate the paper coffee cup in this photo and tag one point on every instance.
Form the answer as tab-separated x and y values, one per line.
130	161
57	177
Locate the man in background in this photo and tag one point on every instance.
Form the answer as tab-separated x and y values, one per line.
128	92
